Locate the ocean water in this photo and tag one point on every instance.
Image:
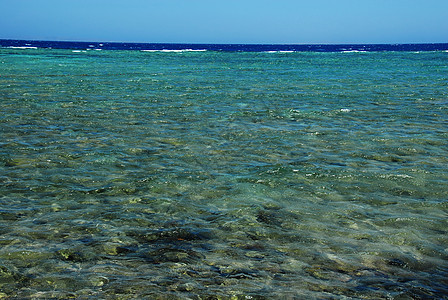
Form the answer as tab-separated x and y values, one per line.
223	174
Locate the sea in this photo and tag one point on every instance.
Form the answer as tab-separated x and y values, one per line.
187	171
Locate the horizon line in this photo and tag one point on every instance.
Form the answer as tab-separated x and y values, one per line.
202	43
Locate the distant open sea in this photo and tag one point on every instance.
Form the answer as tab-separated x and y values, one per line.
178	171
22	44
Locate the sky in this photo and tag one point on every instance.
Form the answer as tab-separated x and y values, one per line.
227	21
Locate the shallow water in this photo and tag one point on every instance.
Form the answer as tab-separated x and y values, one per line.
128	174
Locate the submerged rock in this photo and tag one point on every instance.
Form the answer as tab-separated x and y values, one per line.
10	278
5	272
117	249
172	235
10	215
98	280
77	254
238	273
268	217
173	254
396	262
180	234
70	255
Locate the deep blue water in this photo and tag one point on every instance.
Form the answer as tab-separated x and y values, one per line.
225	47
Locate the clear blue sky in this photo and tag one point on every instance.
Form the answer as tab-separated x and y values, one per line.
227	21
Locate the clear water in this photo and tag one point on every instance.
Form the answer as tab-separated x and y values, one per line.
218	175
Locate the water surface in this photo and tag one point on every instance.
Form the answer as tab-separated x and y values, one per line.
131	174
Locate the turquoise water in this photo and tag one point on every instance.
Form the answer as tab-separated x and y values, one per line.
218	175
